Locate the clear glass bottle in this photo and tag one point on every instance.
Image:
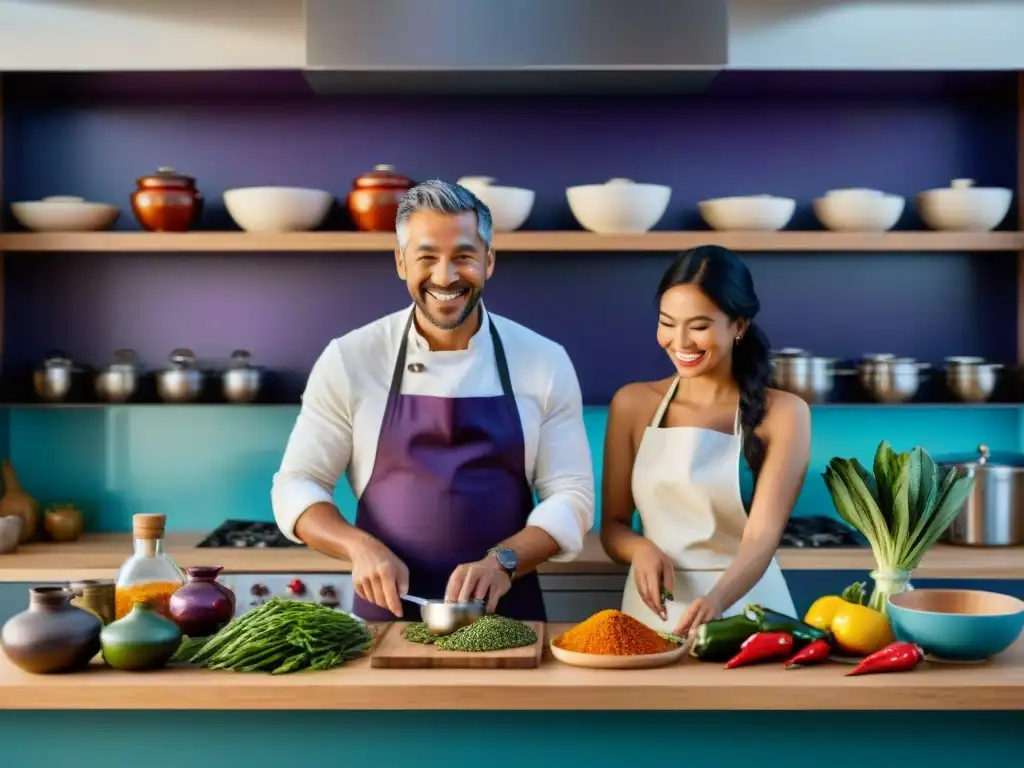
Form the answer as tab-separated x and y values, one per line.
150	574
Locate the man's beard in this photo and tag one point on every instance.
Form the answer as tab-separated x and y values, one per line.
472	300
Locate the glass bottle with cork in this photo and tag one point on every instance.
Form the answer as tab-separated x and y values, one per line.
150	574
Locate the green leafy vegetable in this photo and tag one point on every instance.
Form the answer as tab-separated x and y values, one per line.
281	636
901	510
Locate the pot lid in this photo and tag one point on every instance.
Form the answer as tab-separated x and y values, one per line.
124	360
983	457
241	358
166	176
57	358
182	358
383	176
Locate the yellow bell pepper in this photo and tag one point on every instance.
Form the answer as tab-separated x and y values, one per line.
823	610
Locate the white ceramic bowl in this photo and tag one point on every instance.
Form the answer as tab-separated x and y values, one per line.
858	210
963	207
619	206
65	213
510	206
278	209
751	213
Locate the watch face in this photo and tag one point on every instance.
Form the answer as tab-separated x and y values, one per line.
507	558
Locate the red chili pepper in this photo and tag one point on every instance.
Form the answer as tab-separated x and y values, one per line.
762	646
895	657
814	653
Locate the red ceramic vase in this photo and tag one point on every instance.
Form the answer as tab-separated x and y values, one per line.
202	606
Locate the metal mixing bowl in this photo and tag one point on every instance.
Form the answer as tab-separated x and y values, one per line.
443	618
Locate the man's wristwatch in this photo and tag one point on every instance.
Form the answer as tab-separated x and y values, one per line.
506	559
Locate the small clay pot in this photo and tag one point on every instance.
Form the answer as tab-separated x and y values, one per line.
167	202
141	640
373	201
52	635
17	502
203	606
63	523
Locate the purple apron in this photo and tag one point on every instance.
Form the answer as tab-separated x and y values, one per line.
448	483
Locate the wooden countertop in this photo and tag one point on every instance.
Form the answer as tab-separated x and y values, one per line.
99	555
689	685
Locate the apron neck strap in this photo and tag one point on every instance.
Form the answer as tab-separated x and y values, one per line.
659	415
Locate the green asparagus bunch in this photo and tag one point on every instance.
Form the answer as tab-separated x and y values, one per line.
279	637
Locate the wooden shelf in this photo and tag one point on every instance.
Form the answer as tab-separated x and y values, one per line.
228	242
296	403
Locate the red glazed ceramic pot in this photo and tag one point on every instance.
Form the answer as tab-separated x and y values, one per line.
373	201
167	202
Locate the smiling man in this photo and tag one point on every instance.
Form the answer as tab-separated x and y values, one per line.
447	419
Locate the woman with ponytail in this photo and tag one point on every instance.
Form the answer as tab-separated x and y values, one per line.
673	449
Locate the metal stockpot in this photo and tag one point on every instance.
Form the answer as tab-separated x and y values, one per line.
993	515
972	379
891	379
808	377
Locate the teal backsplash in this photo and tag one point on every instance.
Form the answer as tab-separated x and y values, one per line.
203	464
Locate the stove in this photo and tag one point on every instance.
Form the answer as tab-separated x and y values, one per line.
245	533
820	532
252	589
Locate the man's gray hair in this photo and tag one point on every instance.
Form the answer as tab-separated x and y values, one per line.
442	197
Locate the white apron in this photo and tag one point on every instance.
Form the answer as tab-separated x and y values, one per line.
686	486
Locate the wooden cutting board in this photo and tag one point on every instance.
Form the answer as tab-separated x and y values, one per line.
393	651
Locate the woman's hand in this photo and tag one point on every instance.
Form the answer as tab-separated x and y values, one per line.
700	611
654	575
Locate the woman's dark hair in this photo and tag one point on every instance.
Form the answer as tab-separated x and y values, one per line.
727	282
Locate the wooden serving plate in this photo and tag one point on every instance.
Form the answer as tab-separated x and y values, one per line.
602	661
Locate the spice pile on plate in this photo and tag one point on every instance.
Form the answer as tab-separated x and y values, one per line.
613	633
488	633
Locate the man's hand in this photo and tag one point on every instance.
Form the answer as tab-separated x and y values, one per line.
378	575
483	580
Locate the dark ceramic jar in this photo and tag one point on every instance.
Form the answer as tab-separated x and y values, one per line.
143	639
52	635
167	201
373	201
203	606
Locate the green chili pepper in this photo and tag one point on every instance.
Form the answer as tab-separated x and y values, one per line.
720	639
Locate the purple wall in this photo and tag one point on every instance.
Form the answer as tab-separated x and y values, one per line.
753	134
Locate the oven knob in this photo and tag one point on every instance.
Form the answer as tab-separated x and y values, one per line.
296	587
259	590
328	597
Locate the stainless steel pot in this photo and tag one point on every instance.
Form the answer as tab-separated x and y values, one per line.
993	515
182	382
52	380
864	368
808	377
118	382
971	379
891	379
242	381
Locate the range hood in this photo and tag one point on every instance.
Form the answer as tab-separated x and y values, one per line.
524	46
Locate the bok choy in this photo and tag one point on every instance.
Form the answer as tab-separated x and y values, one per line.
901	510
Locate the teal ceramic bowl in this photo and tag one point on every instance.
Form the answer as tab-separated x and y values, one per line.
957	625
